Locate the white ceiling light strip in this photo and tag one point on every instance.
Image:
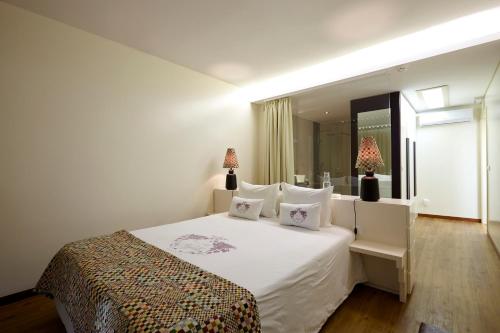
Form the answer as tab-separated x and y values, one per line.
457	34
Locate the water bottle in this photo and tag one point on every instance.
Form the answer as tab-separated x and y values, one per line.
326	179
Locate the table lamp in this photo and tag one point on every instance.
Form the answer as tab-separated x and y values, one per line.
369	159
231	162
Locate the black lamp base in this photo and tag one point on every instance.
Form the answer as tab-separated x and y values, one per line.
231	181
369	188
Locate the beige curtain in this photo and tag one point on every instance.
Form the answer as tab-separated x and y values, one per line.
278	159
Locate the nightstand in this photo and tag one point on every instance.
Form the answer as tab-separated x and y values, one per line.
222	199
389	252
389	222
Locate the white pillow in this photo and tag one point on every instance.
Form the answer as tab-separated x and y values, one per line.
303	195
301	215
267	192
246	208
279	200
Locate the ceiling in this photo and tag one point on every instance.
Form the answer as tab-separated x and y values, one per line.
466	72
243	42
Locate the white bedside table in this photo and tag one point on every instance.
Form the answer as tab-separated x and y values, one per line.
222	199
394	253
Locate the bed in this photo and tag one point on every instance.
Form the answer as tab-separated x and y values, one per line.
297	276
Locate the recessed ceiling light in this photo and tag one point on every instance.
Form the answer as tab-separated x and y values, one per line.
434	98
326	112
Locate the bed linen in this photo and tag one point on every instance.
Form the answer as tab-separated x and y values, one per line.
297	276
119	283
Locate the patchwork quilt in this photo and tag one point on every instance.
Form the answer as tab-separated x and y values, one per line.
118	283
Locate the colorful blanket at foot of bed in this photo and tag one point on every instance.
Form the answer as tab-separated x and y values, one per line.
118	283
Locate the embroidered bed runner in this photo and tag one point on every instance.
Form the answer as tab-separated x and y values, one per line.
118	283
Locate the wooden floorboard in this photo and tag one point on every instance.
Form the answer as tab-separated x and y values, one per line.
457	289
34	314
457	286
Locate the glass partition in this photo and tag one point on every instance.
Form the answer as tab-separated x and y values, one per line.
304	148
377	123
326	147
321	148
335	155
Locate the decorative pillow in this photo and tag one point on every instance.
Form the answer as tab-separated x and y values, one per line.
301	215
303	195
246	208
269	193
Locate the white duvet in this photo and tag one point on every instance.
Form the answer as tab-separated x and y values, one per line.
298	277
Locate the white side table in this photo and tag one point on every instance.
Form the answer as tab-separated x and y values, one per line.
222	199
394	253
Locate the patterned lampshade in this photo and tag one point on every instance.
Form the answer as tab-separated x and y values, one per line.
368	155
231	161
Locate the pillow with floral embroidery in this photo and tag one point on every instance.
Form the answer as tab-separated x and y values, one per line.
302	195
246	208
301	215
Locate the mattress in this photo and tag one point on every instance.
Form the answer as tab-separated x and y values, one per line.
298	276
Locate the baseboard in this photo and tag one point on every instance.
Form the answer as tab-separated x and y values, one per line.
4	300
390	291
453	218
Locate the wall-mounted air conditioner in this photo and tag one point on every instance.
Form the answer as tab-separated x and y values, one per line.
445	117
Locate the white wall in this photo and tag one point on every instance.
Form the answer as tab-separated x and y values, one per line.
483	164
492	108
97	137
448	169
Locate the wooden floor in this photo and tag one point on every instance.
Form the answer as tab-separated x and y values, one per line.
457	286
457	289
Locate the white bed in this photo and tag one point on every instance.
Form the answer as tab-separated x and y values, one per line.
298	277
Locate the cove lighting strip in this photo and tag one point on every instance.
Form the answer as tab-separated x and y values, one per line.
467	31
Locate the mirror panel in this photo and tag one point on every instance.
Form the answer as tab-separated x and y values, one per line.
377	123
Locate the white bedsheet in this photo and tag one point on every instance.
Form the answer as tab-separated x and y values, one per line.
298	277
